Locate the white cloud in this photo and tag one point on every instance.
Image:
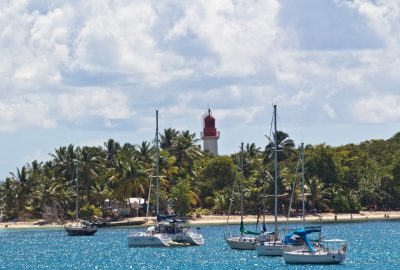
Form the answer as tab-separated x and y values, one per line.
93	65
377	109
383	17
299	99
51	110
95	102
240	34
23	112
329	110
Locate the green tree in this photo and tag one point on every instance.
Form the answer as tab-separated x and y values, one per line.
8	196
285	147
168	139
317	194
181	196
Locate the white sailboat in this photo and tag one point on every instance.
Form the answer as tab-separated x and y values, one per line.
247	239
299	249
151	237
326	252
271	245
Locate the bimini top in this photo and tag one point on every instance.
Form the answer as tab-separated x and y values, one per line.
301	234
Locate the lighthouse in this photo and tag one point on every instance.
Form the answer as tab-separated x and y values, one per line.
210	135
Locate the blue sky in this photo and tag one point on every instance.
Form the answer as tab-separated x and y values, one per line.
80	72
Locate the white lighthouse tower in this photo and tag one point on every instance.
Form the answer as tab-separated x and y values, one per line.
210	135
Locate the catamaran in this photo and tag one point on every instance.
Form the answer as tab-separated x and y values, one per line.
180	233
168	231
151	237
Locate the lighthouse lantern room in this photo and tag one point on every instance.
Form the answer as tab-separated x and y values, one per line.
210	135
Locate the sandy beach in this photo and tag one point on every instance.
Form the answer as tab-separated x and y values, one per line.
325	217
222	219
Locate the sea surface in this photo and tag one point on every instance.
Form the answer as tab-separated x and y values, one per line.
371	245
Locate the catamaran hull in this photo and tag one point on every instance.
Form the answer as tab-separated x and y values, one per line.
269	249
144	240
308	258
193	239
242	243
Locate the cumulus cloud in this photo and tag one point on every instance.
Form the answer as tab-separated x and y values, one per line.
105	104
377	109
95	64
240	34
27	111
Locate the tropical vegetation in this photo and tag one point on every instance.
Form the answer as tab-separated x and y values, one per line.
346	178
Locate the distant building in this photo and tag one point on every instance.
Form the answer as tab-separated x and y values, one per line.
210	135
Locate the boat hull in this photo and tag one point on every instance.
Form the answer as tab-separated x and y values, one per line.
295	257
148	240
77	231
242	243
269	248
192	239
119	223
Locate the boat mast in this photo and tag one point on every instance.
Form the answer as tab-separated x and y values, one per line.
77	194
157	167
276	178
148	198
302	182
241	189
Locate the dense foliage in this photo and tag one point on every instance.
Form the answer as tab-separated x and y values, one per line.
347	178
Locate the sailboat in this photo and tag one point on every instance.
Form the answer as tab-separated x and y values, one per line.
247	239
80	227
168	230
300	249
271	245
151	237
320	252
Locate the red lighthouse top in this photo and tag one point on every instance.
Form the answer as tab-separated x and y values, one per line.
209	129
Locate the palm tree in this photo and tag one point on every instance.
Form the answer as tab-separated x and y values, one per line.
145	153
167	169
128	180
285	147
63	159
186	151
101	190
251	160
89	166
220	201
111	150
168	138
54	195
318	195
24	188
8	195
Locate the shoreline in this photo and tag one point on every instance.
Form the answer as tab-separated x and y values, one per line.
234	219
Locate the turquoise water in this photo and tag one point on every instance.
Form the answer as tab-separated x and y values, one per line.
371	245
